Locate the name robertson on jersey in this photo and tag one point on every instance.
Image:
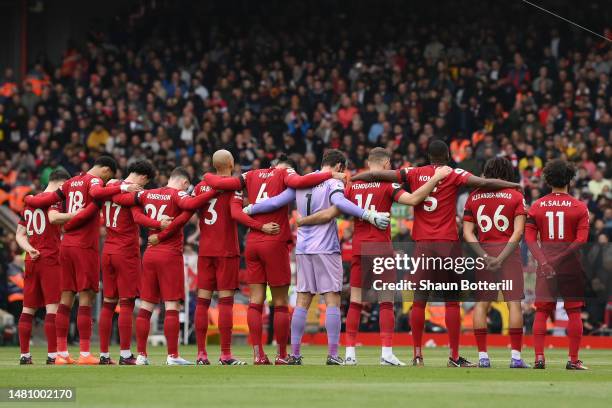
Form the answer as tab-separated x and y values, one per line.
365	186
155	196
555	203
499	194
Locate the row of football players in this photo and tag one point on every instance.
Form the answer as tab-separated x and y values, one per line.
320	197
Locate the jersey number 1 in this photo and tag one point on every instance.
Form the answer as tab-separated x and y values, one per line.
551	224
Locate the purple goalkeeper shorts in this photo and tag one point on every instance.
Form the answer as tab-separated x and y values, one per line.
319	273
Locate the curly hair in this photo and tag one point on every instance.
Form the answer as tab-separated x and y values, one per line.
499	168
559	173
143	168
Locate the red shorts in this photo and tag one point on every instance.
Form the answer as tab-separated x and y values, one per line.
80	269
566	286
431	253
163	277
41	283
120	275
268	262
363	275
218	272
511	270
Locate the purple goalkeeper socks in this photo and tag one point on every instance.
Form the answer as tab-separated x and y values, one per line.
333	325
298	323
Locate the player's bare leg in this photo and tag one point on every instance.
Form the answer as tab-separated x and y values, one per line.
143	326
105	328
201	325
126	312
62	324
84	325
254	321
280	300
24	328
298	324
333	324
171	332
353	318
387	327
480	332
50	332
516	335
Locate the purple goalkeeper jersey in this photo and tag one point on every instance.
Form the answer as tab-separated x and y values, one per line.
322	238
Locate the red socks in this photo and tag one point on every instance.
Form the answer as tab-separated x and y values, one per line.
62	323
50	333
226	324
201	323
387	324
25	332
105	325
353	317
84	324
516	338
171	331
417	325
574	333
126	311
452	319
539	333
281	329
255	328
481	339
143	325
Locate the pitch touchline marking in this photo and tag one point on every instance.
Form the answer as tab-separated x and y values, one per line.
565	19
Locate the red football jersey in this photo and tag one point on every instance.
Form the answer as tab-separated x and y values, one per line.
494	212
157	203
42	235
435	217
559	217
78	195
122	233
218	231
377	196
262	184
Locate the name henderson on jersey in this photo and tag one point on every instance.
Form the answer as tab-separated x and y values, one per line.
426	284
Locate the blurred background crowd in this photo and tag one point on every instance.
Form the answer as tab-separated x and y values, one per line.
172	82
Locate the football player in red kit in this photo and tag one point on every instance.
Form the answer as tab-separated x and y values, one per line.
219	258
435	231
267	256
121	263
560	223
79	251
493	224
162	265
38	234
375	196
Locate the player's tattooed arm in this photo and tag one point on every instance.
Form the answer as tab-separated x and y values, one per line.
45	199
511	245
271	204
379	175
422	192
489	184
81	217
21	237
224	183
320	217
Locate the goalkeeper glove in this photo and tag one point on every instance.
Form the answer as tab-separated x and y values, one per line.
379	220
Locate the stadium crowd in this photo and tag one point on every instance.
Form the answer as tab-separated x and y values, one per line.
173	88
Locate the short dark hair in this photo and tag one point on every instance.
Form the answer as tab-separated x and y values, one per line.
180	172
438	150
559	173
106	161
379	154
283	158
499	168
59	175
143	168
333	157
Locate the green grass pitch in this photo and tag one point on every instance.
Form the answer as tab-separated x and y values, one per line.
315	385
